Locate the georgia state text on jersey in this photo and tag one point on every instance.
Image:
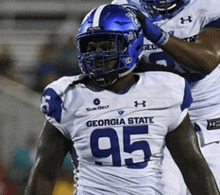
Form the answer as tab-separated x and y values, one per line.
118	138
198	14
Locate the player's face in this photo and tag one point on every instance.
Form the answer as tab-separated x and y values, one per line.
162	6
101	45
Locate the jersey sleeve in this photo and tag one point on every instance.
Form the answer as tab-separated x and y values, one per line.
215	23
211	14
52	102
187	100
179	112
51	106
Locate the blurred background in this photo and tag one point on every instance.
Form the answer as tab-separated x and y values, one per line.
37	46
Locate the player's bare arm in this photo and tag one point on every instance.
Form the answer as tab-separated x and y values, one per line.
52	149
202	56
188	157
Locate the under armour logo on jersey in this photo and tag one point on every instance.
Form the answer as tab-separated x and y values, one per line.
142	103
213	124
183	20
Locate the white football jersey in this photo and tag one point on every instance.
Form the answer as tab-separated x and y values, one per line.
205	109
119	138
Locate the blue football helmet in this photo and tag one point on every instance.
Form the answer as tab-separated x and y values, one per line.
110	22
163	8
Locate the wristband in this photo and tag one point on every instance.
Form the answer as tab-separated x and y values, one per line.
163	39
155	34
151	31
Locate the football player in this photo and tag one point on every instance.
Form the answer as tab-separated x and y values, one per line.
117	121
185	35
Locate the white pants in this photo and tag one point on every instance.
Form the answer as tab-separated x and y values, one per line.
174	183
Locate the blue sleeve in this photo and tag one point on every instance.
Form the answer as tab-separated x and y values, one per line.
51	104
215	23
187	100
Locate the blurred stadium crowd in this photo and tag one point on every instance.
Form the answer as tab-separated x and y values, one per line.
51	57
54	60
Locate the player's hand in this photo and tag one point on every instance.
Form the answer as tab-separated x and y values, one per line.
151	31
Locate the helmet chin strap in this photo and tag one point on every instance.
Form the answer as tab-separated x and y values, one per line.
111	79
106	81
120	75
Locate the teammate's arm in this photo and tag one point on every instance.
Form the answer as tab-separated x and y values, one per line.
202	56
52	149
144	65
183	146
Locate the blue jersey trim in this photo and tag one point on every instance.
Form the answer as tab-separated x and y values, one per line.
197	128
54	101
187	100
215	23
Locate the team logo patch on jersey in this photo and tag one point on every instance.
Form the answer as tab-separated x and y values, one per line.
121	112
213	124
96	101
